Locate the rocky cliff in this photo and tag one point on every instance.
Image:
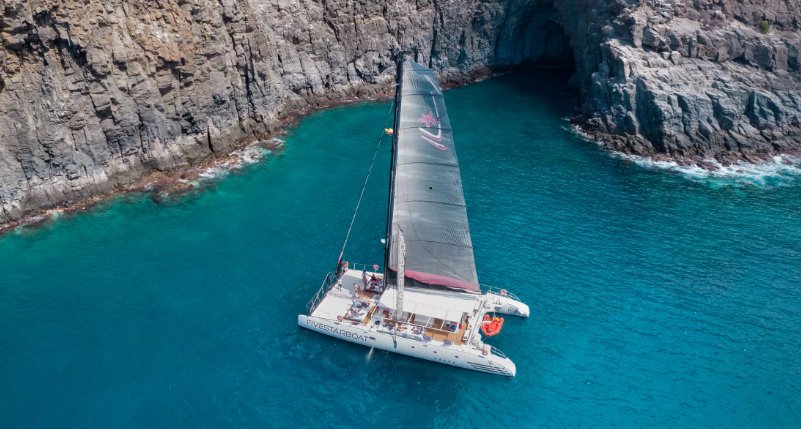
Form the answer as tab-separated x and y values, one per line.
690	79
95	94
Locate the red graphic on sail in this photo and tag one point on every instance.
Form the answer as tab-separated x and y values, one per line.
429	120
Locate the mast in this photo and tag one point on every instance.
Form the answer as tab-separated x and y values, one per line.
393	167
401	274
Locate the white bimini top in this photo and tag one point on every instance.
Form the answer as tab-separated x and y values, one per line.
440	304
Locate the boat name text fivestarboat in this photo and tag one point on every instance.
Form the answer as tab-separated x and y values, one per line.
335	331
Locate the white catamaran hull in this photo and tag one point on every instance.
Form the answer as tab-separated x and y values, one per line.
505	305
462	357
429	303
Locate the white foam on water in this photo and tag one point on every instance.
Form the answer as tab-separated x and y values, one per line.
246	156
780	170
579	132
213	172
249	155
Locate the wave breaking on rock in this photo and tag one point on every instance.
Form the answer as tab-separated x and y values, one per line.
161	185
780	170
777	170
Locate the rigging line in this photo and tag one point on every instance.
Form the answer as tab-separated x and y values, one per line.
367	179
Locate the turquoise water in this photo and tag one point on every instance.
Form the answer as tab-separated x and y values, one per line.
657	300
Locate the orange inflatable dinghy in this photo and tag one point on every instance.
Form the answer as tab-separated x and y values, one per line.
492	325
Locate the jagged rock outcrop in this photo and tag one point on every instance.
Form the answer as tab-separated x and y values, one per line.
691	79
95	94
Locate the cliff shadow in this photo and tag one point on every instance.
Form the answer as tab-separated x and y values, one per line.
531	35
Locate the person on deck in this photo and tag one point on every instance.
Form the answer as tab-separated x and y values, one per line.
373	282
364	278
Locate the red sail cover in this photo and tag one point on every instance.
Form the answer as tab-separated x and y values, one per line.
429	203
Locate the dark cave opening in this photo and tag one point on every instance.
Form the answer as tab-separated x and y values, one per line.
533	36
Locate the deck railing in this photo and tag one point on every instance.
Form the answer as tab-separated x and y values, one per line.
329	282
364	267
500	292
496	352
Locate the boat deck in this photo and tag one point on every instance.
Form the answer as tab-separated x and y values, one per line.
439	335
339	299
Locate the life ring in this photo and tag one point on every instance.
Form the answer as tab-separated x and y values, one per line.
375	267
339	318
484	352
503	291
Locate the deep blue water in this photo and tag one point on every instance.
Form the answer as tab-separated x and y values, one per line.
657	301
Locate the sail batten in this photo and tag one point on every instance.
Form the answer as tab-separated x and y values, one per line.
428	201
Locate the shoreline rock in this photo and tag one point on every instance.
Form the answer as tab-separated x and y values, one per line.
175	182
95	95
158	184
691	80
613	143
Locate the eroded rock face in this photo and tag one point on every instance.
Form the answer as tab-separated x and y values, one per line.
94	94
692	79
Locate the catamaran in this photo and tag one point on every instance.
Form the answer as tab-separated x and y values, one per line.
427	301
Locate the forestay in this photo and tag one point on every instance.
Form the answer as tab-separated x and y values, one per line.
429	203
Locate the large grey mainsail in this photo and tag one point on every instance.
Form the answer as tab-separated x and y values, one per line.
429	204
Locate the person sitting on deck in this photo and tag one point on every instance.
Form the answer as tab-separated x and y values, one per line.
373	282
357	289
